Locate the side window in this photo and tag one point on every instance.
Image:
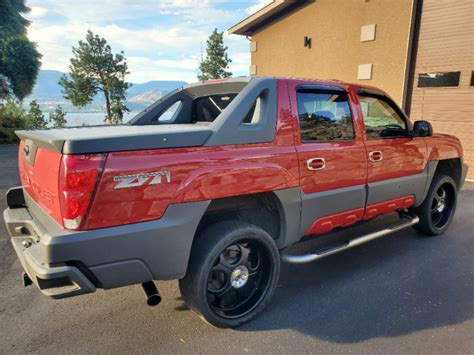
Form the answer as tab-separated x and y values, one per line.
170	113
324	116
381	118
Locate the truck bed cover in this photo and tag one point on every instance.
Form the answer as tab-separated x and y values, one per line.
98	139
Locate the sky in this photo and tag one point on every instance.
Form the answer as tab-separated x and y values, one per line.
162	39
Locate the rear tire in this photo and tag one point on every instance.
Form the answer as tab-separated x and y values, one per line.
232	274
437	210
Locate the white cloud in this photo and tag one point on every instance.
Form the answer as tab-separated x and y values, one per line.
157	70
261	4
155	51
197	12
37	12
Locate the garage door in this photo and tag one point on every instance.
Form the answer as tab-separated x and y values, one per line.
443	86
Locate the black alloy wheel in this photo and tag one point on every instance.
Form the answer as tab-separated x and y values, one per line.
442	206
437	210
232	273
239	278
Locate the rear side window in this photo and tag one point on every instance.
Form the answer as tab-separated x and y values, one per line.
324	116
381	118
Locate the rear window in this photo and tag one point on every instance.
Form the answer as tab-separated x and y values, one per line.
207	108
198	104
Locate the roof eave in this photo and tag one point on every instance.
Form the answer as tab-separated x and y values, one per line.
269	14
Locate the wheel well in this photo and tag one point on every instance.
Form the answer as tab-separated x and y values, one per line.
452	168
262	210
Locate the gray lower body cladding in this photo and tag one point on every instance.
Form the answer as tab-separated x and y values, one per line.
70	263
326	203
416	185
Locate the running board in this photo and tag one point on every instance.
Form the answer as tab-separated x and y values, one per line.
405	222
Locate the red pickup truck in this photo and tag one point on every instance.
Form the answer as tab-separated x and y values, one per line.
213	182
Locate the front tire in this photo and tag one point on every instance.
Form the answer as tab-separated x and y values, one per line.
437	210
232	274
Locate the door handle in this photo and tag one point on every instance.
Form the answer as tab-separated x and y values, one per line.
375	156
316	164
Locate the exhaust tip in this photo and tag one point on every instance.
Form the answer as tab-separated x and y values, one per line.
152	295
153	300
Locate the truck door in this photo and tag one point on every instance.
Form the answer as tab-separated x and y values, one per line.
331	157
396	160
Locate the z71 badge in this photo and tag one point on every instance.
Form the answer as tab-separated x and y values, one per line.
136	180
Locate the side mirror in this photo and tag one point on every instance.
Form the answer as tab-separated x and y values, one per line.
422	129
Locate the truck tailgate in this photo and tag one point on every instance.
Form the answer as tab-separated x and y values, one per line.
39	174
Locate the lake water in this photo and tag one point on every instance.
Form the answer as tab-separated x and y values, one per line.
92	118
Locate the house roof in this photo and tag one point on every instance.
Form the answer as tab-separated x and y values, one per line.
270	13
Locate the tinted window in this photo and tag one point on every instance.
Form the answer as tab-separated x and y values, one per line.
440	79
324	116
381	118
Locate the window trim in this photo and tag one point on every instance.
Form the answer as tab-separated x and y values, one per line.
393	105
305	88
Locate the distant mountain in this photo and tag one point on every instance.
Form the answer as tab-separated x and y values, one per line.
49	94
47	85
137	89
144	99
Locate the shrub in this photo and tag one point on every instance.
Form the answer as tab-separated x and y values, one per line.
12	118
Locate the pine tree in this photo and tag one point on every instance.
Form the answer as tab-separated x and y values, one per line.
35	118
57	117
216	62
19	59
95	69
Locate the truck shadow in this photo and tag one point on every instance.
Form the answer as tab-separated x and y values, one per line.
394	286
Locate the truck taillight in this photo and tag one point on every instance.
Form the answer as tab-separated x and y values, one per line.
77	180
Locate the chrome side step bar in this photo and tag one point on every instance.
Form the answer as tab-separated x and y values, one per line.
405	222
